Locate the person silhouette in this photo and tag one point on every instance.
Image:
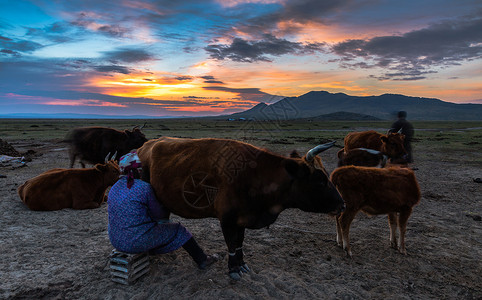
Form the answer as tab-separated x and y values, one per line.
406	128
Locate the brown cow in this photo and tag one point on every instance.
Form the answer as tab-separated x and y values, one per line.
241	185
389	144
69	188
393	191
361	157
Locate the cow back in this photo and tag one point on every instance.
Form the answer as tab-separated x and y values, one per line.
59	188
375	190
364	139
93	144
189	176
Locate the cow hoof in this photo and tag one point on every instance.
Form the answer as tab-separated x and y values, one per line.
244	268
235	275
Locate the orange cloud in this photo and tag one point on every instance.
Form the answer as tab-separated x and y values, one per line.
83	102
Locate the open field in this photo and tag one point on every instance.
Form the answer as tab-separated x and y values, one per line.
64	254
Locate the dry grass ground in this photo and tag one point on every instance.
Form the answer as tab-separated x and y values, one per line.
64	254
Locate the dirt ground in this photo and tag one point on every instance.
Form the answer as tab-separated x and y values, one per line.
64	254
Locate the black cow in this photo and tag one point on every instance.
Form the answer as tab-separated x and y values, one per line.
92	144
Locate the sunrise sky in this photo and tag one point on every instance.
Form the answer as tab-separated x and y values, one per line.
190	57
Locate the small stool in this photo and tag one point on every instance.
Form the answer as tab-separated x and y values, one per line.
126	268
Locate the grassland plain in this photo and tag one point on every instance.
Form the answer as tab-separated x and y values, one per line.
64	254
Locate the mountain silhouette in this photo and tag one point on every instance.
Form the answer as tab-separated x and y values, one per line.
385	107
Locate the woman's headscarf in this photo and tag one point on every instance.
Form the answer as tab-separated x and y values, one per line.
129	164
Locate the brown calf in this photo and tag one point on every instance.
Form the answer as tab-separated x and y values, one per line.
392	191
69	188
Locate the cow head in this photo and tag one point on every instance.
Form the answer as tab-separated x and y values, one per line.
110	171
392	145
311	190
135	138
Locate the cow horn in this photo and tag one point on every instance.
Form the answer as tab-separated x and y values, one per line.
400	131
106	159
113	156
143	125
318	149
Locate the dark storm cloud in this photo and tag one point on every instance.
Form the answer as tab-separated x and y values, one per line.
184	78
57	32
254	94
9	52
443	44
128	55
89	23
292	12
18	45
213	81
251	51
113	69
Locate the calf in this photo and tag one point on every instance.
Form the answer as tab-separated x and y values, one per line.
392	191
69	188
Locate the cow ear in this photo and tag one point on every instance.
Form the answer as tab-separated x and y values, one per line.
296	170
384	139
295	154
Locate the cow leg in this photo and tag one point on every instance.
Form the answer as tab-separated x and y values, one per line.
72	156
402	224
231	236
339	234
345	221
239	251
392	222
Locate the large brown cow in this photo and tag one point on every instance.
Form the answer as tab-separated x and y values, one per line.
392	191
240	184
390	144
69	188
92	144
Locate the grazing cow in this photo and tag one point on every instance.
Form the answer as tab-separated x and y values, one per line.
92	144
392	191
241	185
66	188
361	157
389	144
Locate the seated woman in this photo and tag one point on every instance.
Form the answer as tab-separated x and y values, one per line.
139	223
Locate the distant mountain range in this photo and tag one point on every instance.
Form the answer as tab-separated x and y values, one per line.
320	104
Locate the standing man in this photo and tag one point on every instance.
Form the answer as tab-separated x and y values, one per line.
405	128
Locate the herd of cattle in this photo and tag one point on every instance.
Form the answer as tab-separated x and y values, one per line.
241	185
